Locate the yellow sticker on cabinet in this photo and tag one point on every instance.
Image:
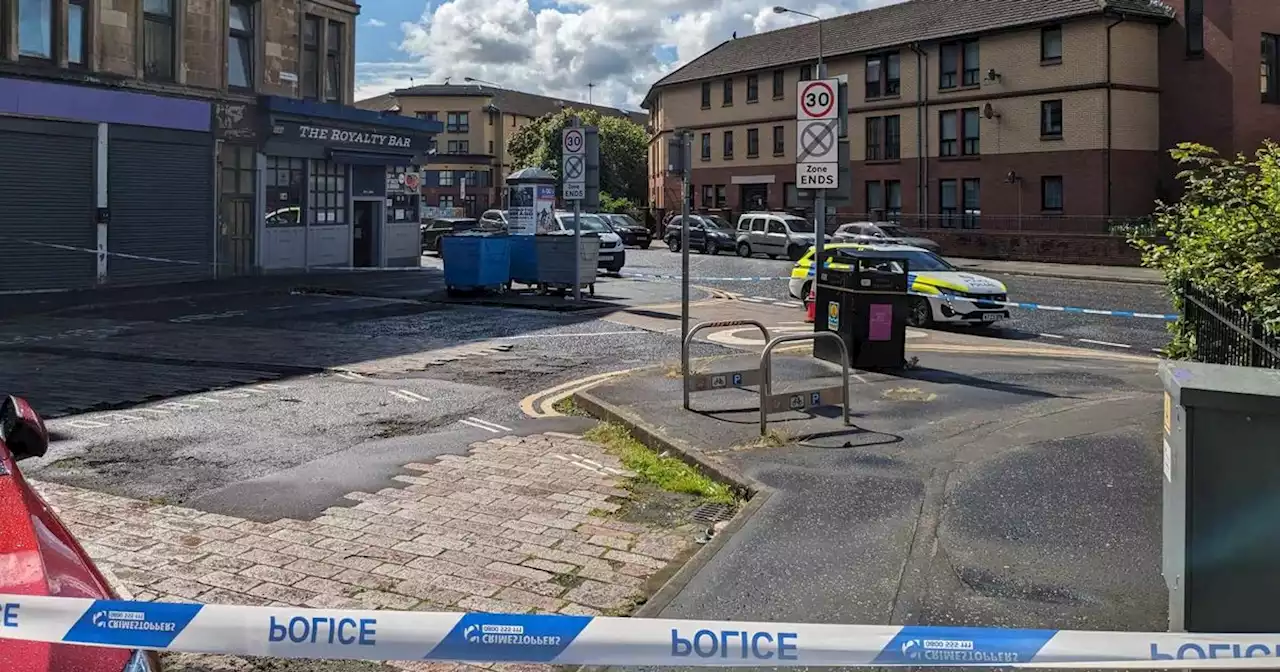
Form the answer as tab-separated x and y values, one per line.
1168	413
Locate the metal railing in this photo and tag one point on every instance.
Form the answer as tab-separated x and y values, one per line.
806	399
1226	334
702	382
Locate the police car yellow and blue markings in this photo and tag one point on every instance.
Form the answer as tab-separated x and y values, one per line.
923	284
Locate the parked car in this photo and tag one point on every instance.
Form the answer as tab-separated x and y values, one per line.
705	235
494	220
432	230
775	234
613	256
631	231
40	557
881	233
940	292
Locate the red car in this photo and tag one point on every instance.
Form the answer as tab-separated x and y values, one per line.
38	556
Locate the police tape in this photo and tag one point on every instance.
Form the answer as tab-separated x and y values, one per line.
651	276
330	634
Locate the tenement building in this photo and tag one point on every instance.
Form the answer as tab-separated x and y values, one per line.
968	111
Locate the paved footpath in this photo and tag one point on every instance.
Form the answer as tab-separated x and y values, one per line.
520	524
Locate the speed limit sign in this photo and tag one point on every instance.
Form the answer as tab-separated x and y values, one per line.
817	100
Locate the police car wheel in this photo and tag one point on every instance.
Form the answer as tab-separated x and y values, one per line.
919	313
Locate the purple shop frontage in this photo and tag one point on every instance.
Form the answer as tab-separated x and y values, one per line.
103	187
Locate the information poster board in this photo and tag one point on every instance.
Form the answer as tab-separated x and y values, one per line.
544	205
521	213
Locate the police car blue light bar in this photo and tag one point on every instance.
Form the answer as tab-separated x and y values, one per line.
324	634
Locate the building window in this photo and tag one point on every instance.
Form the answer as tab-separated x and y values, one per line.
35	28
753	88
446	201
779	84
706	146
311	57
947	133
1051	119
78	19
972	205
728	92
806	73
333	62
779	141
949	66
458	146
893	200
284	180
753	143
875	199
1194	15
1270	65
1051	44
158	43
446	178
706	95
429	116
728	144
708	196
883	75
892	137
1051	193
328	202
971	131
875	133
948	202
722	196
240	45
972	64
458	122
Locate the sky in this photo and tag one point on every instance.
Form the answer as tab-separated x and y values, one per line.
610	51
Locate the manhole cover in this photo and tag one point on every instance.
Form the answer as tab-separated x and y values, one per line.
711	513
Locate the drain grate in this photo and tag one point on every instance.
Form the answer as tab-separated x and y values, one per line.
711	513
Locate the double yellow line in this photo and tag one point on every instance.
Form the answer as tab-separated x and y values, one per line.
541	404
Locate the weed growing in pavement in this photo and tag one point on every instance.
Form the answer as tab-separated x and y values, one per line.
663	471
567	406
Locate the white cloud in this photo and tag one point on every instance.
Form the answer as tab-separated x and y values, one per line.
374	23
559	47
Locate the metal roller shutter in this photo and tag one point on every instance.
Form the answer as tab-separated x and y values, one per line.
160	187
46	196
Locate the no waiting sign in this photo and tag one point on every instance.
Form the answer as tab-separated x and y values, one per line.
816	99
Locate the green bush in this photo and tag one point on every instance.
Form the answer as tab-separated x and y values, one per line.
1223	235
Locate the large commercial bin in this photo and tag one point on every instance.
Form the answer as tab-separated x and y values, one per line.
476	261
524	260
864	300
556	269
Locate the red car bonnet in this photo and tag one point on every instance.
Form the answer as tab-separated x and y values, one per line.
38	556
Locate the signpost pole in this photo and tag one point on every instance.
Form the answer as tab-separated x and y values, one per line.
819	200
686	142
577	238
573	163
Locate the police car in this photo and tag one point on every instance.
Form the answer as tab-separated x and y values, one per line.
941	293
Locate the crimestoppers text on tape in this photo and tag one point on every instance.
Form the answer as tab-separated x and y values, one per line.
586	640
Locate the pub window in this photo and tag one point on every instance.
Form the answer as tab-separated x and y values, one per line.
35	29
779	84
446	178
333	62
1194	15
311	57
753	143
1051	44
328	194
240	45
458	122
158	40
78	33
753	88
1270	67
779	141
284	179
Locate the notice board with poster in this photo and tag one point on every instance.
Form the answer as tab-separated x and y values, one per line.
404	185
521	212
544	205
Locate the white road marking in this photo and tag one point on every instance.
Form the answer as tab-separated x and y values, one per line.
409	396
349	375
486	425
752	299
164	409
582	333
1052	336
1114	345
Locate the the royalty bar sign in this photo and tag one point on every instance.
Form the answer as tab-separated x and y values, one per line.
817	134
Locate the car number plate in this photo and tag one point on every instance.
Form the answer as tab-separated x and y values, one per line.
606	257
992	317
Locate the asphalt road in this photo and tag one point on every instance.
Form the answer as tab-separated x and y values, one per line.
1091	331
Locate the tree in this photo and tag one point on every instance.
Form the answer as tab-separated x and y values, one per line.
624	150
1223	235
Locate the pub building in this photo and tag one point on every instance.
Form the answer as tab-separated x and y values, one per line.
340	186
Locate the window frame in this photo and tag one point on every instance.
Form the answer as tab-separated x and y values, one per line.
970	146
1046	115
753	88
1045	57
171	21
442	182
885	84
892	139
726	148
234	35
949	214
948	79
86	33
970	213
727	94
457	121
753	143
874	186
706	146
334	58
892	213
706	95
317	186
722	196
779	140
1045	182
948	147
806	73
311	76
1193	16
779	84
1269	71
874	133
51	36
966	79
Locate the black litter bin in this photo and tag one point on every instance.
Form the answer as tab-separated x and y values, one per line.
864	300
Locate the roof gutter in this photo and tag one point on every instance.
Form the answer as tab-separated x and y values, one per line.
922	138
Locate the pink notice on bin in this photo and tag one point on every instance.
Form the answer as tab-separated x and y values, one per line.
881	327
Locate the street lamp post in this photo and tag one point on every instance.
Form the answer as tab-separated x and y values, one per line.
819	195
501	151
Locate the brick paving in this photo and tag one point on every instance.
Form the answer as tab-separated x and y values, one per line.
519	524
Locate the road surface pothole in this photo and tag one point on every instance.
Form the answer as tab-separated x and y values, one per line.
986	582
390	428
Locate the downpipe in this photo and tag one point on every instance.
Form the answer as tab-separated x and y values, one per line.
922	138
1106	168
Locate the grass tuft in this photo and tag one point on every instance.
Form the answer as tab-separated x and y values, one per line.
666	472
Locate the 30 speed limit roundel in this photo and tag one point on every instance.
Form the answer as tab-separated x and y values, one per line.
817	100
